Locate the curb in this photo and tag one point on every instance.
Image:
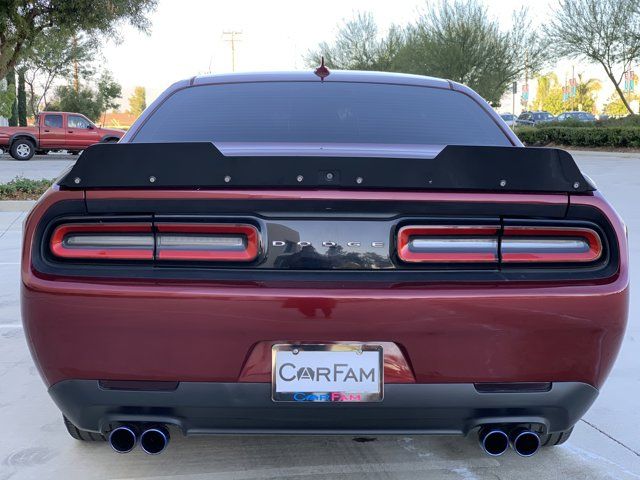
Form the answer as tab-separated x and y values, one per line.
16	205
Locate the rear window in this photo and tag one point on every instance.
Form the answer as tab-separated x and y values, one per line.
317	112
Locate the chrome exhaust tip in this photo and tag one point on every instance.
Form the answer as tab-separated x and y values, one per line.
493	441
154	439
123	439
525	442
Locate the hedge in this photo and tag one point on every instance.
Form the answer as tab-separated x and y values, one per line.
593	136
24	189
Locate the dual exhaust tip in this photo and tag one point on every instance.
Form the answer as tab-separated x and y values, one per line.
153	439
495	441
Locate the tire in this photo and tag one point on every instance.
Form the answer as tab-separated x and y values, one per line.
74	152
111	140
22	149
555	439
82	435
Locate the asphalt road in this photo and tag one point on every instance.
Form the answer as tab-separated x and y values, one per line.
34	444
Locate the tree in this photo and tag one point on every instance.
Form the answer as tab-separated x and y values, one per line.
585	99
451	40
547	84
554	102
91	102
7	100
138	101
606	32
22	100
23	21
615	107
358	46
52	56
11	87
459	41
109	91
549	95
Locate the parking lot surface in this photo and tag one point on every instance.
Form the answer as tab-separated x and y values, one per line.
35	445
40	166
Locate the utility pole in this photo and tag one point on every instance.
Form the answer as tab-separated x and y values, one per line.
232	39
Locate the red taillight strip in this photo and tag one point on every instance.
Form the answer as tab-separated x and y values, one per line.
116	251
513	252
468	244
248	234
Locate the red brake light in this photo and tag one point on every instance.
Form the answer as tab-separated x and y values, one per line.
110	241
448	244
212	242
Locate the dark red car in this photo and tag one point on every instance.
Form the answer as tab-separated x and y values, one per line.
55	131
357	253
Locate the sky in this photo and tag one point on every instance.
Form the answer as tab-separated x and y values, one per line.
187	36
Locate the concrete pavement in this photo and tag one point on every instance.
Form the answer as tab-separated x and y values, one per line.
39	167
604	445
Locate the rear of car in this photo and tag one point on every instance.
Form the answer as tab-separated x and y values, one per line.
339	255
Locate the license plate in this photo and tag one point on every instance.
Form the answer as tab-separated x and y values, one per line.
327	373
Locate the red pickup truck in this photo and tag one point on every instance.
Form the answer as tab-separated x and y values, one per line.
55	131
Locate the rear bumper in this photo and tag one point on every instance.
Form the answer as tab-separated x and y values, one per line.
247	408
212	333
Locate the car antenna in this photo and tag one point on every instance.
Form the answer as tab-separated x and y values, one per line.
322	71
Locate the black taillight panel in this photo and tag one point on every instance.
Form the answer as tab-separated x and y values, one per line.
514	242
389	249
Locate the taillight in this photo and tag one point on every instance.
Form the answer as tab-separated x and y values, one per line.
219	242
448	244
110	241
549	245
492	244
169	241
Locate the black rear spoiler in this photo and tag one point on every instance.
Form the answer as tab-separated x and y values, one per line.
202	165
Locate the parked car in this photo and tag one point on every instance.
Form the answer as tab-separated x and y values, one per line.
576	116
534	118
313	254
509	119
55	131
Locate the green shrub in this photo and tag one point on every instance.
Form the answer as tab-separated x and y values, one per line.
580	136
24	189
628	121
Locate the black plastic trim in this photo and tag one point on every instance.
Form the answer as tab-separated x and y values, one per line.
202	165
247	408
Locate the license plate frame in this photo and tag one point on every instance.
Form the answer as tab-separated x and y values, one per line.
322	395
